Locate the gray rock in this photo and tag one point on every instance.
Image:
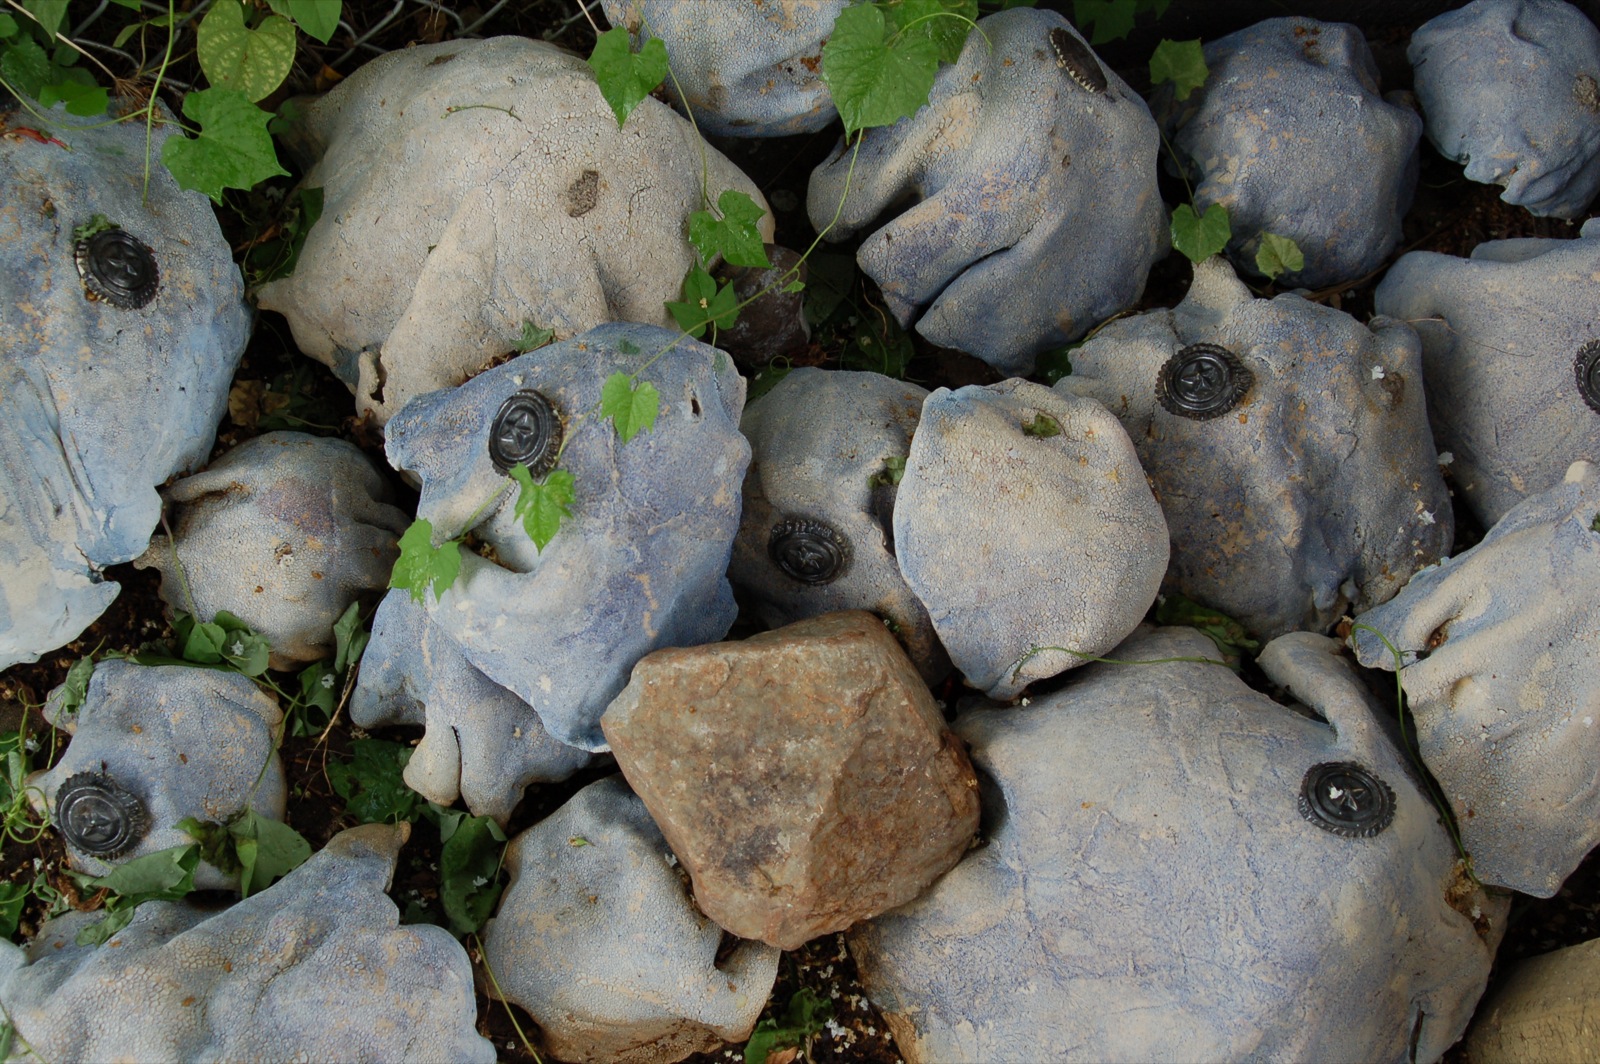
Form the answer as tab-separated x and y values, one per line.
640	564
101	402
283	531
1026	527
805	776
1547	1008
597	939
313	968
482	743
1036	213
1150	889
748	68
1506	336
184	742
449	222
1499	668
1316	491
823	449
1289	133
1512	89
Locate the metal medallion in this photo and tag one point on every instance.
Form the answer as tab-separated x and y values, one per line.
1346	799
1587	367
808	551
99	816
526	431
1202	381
117	268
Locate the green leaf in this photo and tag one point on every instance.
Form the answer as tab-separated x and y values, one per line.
8	26
1278	255
766	380
626	77
13	896
25	67
879	346
1043	426
831	278
805	1016
422	565
278	257
247	652
1200	237
893	471
735	236
543	506
372	782
203	643
704	303
1181	62
632	409
233	56
233	149
469	871
268	850
1228	634
161	872
82	100
1054	364
876	80
532	338
945	23
318	687
350	638
319	18
50	13
1111	20
75	688
216	845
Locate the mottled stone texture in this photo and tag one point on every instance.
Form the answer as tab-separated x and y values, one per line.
1319	492
1034	211
1500	663
1547	1009
597	938
1150	890
804	777
283	531
313	968
1288	132
443	230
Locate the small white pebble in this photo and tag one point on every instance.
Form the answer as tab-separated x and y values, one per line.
1026	702
1377	373
1427	517
672	859
1446	457
1588	722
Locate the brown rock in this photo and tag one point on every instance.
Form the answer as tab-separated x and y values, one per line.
804	777
1547	1009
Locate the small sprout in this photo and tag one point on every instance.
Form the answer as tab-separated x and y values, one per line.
579	840
1043	426
894	469
1594	526
97	224
1200	236
532	338
1278	255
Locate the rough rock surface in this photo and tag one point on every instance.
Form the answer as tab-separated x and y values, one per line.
1025	522
747	67
313	968
641	562
448	222
101	402
186	742
1503	334
597	939
1511	88
1499	648
1548	1008
804	777
1036	213
283	531
1150	889
824	447
1289	133
1318	490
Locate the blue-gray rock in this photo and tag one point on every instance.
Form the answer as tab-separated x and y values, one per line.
1036	212
1508	353
1151	889
1288	445
828	449
1026	527
183	742
597	938
283	531
1499	651
746	68
313	968
642	561
471	187
102	399
482	743
1290	134
1512	89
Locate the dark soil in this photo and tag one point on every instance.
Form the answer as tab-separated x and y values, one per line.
1450	215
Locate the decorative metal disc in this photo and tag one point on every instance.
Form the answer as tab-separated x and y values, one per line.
1202	381
1346	799
1587	367
1073	56
808	551
118	268
98	816
526	431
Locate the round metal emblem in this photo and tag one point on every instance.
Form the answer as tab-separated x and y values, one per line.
1202	381
118	268
1073	56
1587	366
526	431
98	816
1346	799
808	551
